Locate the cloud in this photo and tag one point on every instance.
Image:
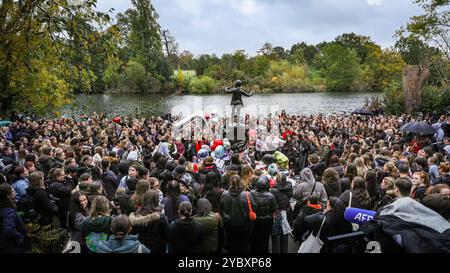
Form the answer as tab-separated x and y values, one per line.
224	26
248	7
373	2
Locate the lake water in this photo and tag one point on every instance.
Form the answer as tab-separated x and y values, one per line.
157	104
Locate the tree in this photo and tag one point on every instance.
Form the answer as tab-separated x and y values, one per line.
341	67
360	44
170	45
425	45
280	53
434	25
45	52
301	52
186	60
142	34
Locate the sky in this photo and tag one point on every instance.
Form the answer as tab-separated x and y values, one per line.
224	26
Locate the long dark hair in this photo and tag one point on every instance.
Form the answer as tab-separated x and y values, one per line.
5	191
351	172
75	207
359	189
371	180
173	192
337	209
211	182
150	203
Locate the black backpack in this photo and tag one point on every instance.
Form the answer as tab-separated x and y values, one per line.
26	208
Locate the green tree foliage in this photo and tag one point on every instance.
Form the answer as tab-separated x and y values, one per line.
142	35
434	99
362	45
46	50
341	67
136	79
393	98
202	85
288	77
425	42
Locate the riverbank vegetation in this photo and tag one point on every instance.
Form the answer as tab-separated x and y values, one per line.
52	50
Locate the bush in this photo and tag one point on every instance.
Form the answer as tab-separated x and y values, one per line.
134	77
136	80
202	85
434	99
286	77
394	99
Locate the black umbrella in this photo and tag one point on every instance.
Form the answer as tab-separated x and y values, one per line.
363	111
421	128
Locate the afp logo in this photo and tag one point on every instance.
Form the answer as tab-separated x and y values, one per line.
359	216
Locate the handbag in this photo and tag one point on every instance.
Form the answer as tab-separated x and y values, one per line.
312	244
251	214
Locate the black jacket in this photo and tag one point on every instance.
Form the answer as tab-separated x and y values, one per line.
339	169
235	210
265	201
186	236
443	179
334	225
414	238
306	148
283	193
299	227
42	204
213	197
61	191
45	163
109	183
152	230
333	189
318	170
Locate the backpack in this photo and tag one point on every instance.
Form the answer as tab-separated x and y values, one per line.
26	208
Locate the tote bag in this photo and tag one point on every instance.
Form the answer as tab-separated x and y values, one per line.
355	227
312	244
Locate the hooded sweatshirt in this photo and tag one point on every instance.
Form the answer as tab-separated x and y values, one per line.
129	244
309	186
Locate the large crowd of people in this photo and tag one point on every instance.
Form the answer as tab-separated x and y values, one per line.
131	186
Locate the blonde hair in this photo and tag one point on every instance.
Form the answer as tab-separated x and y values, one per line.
361	168
100	207
247	176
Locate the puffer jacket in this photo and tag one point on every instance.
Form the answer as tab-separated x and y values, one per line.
152	230
283	193
235	210
266	202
